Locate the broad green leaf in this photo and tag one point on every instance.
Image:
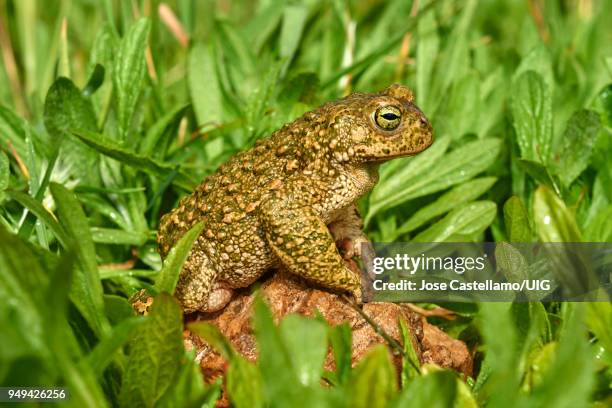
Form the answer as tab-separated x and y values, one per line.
104	352
21	316
118	308
516	219
86	290
129	72
532	116
35	333
436	390
511	262
570	379
306	342
244	384
204	86
577	145
155	355
467	219
453	168
460	194
109	148
274	357
169	274
499	382
66	108
373	382
537	60
554	221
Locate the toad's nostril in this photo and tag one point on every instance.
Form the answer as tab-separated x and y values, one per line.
424	122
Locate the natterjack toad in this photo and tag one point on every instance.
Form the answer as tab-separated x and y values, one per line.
288	199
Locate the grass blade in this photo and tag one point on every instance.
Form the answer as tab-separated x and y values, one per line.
86	290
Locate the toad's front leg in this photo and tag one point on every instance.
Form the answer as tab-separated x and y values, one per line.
347	230
303	243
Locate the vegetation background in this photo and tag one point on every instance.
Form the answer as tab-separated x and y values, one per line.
112	110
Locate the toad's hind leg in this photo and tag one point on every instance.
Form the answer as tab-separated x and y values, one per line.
198	287
302	242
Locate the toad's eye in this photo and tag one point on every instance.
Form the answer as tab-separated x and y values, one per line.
388	117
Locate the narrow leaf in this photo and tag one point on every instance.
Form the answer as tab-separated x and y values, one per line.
113	150
42	214
455	167
129	73
169	274
467	219
461	194
204	86
117	236
294	18
104	352
86	290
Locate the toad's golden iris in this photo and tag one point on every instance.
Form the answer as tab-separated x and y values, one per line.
388	117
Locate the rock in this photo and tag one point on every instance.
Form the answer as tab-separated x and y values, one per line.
287	294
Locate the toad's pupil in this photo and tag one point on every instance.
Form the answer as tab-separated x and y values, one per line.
390	116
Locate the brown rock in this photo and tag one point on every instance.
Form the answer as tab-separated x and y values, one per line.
441	349
286	294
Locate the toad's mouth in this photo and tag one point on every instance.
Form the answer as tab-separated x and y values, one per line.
385	156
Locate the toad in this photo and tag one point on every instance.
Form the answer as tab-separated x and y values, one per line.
286	201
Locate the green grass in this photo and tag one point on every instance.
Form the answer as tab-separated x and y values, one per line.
107	117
